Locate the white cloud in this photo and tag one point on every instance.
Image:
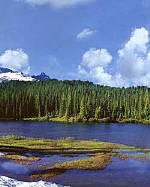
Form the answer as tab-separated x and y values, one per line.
133	63
56	3
96	57
16	60
93	65
85	33
134	58
101	77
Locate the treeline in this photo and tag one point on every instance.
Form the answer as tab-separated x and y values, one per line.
72	99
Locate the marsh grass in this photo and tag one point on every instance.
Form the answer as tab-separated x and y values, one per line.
98	162
63	145
95	162
22	158
100	156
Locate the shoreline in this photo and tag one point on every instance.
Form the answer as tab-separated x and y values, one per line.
84	121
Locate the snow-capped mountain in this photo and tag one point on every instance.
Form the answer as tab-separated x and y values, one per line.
4	77
8	75
8	182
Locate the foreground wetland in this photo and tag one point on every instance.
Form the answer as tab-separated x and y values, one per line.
87	155
76	154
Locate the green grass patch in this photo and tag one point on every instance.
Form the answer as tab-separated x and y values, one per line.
67	145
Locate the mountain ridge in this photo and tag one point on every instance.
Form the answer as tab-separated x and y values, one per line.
7	74
5	70
41	77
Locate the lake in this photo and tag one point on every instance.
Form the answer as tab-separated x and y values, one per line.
128	172
129	134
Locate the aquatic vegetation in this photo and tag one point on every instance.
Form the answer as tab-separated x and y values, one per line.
98	162
22	158
94	162
63	146
98	154
47	174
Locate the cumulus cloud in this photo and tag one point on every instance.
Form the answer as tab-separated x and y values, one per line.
16	60
56	3
85	33
94	63
96	57
133	63
134	58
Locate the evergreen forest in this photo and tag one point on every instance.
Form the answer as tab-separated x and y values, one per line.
76	100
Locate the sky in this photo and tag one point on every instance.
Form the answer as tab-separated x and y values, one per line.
103	41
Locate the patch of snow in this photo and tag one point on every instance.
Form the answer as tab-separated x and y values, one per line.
8	182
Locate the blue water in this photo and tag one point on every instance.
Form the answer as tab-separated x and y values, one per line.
129	134
13	170
119	173
21	172
125	173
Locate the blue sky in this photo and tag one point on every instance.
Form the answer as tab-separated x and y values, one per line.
79	40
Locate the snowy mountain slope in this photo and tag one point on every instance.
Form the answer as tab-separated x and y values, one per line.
4	77
8	75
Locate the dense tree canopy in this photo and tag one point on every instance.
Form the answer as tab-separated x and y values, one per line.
81	100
